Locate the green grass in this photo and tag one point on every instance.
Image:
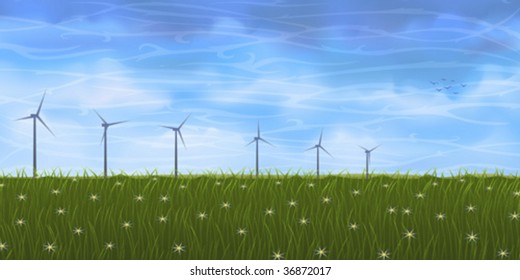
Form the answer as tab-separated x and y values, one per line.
216	236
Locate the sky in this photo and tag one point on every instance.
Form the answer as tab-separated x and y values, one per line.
435	83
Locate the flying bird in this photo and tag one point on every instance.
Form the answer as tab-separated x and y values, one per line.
439	89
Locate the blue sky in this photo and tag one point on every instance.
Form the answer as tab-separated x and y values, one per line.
360	70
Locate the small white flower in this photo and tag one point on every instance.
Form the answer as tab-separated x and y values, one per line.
60	211
472	237
407	211
22	197
20	222
243	187
420	195
93	197
516	193
503	253
278	182
202	215
218	183
514	216
353	226
182	187
241	231
462	180
292	203
435	184
409	234
269	211
310	185
77	231
49	247
391	210
109	246
321	252
3	246
55	192
118	184
489	188
139	198
2	185
384	254
162	219
304	221
440	216
385	186
164	198
471	208
225	205
356	192
126	225
277	255
178	248
326	200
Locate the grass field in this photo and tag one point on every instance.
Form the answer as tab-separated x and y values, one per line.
276	216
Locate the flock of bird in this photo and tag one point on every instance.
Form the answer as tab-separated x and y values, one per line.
448	86
177	133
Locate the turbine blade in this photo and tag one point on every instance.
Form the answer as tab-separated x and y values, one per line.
265	141
114	123
104	136
313	147
103	120
44	124
326	151
250	142
321	136
25	118
182	139
366	150
41	103
168	127
184	121
258	129
374	148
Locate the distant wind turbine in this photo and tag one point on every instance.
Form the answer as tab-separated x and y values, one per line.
367	152
177	130
105	126
318	147
257	139
36	117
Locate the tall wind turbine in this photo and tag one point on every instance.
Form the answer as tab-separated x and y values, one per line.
367	152
258	139
105	126
36	117
177	131
318	147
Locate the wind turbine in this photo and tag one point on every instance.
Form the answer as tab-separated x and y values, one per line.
258	139
177	130
105	126
36	117
367	152
318	147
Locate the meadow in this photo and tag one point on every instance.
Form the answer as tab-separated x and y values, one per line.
276	216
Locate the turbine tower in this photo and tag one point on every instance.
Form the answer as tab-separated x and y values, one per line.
258	139
367	152
177	131
105	126
318	147
36	117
